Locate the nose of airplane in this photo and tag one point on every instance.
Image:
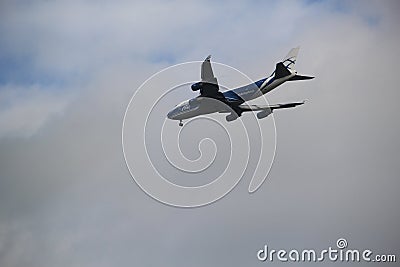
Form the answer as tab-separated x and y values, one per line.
170	115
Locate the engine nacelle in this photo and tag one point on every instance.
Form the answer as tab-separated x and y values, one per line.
197	86
264	113
231	117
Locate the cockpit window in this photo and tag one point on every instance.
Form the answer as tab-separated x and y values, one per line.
193	102
182	103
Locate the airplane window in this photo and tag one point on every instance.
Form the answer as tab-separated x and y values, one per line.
193	102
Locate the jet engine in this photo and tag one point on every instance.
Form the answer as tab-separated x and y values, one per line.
264	113
197	86
231	117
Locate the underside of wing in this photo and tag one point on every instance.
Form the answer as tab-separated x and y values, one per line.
245	107
207	75
208	85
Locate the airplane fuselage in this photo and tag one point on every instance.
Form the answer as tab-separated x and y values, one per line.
202	105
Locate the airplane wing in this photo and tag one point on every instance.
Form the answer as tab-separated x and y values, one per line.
209	83
207	74
245	107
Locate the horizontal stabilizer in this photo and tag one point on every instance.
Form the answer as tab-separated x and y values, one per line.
300	77
281	71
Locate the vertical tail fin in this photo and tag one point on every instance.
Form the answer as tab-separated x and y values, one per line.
281	71
290	60
287	66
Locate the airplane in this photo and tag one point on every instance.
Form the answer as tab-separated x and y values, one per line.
234	101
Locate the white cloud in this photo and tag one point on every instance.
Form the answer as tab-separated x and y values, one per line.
25	110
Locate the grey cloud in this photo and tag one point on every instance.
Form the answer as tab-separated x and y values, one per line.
66	197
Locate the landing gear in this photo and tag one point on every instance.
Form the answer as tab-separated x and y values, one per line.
180	123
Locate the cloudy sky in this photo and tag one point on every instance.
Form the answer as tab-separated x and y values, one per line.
69	68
